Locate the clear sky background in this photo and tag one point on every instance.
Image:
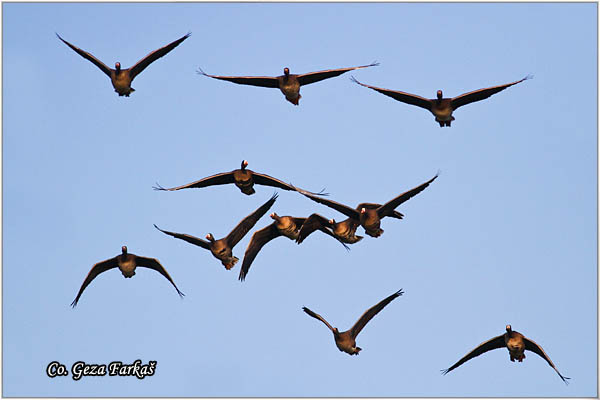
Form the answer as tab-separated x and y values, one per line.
506	235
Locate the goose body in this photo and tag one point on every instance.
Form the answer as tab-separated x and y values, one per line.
344	231
222	250
290	87
286	226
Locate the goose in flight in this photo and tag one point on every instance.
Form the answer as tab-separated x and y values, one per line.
369	215
289	84
121	78
243	178
282	226
516	344
346	341
222	249
127	263
344	231
441	107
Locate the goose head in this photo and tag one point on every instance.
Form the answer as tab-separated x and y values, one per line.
244	164
124	249
440	95
286	72
275	216
118	66
508	328
332	221
210	237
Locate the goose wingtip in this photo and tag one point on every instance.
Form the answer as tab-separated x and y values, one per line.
158	187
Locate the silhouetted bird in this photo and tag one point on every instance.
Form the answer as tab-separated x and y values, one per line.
127	263
121	78
222	249
516	345
441	107
289	84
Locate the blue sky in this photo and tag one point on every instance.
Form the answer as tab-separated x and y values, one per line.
506	235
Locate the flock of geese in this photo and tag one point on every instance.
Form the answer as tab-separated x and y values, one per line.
365	215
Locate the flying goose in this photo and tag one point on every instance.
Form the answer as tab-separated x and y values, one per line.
346	341
243	178
121	78
289	84
127	263
344	231
516	344
282	226
369	215
222	249
441	107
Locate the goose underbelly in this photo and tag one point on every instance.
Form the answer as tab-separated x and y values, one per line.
371	222
516	348
443	114
245	184
225	255
346	344
122	84
347	236
127	268
291	231
343	231
291	91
